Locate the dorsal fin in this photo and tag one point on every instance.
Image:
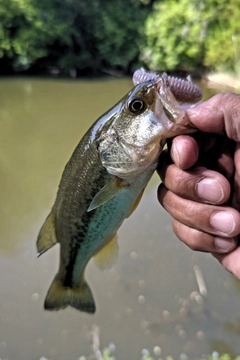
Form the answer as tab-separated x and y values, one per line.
107	192
108	255
47	236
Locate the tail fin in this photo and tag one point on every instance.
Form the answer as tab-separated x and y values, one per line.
80	298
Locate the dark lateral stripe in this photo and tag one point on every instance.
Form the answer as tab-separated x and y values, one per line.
78	237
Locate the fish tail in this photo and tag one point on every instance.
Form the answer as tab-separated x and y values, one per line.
79	297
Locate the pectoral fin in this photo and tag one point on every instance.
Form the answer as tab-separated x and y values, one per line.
47	236
107	192
108	255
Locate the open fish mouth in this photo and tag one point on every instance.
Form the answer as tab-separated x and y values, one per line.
184	91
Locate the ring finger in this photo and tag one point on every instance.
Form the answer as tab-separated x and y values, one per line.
201	241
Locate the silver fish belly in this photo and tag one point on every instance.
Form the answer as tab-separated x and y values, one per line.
103	183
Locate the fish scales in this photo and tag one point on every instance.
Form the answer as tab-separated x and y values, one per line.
103	183
73	201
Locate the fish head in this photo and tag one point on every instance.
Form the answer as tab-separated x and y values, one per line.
134	137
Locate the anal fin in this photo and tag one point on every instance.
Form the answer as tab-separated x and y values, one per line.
108	255
47	236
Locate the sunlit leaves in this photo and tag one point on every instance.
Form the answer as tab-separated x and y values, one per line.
91	36
77	35
191	34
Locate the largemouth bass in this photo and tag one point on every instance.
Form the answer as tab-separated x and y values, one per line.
104	180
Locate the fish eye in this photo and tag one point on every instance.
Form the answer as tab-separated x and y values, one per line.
136	106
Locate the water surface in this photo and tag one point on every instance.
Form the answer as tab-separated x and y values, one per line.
150	298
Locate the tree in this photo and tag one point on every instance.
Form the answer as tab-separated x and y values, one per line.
23	33
191	34
79	35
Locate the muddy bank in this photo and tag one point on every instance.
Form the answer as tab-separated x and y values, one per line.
223	81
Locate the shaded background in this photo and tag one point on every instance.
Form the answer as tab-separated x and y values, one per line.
79	37
151	299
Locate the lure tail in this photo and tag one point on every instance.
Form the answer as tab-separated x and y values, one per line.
79	297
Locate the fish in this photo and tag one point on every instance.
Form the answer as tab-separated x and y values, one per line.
104	180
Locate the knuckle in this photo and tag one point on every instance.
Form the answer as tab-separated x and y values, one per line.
178	181
229	103
186	234
194	244
195	239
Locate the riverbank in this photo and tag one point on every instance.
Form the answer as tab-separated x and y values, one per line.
220	80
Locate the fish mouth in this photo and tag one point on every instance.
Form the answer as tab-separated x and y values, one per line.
184	90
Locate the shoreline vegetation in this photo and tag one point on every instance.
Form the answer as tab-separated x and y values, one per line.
108	354
79	38
214	80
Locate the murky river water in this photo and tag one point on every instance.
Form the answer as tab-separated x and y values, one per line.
149	299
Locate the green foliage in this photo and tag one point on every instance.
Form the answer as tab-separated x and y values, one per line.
103	34
82	36
214	356
72	34
175	35
23	33
223	41
191	34
106	355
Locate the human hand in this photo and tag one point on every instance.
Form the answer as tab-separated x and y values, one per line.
201	180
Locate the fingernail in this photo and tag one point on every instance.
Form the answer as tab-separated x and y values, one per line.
175	154
223	221
210	190
225	244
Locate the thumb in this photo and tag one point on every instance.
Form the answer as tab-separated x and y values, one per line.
220	115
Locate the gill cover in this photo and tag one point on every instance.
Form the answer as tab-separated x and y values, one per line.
132	142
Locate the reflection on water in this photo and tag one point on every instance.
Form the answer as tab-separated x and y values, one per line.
150	299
